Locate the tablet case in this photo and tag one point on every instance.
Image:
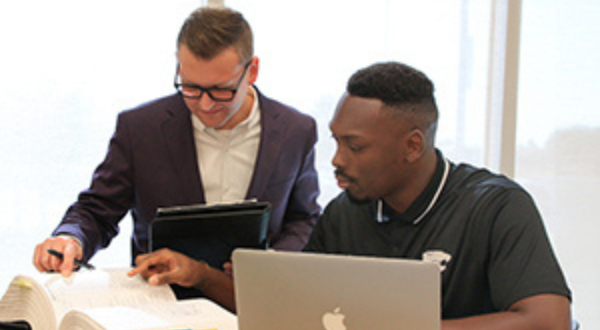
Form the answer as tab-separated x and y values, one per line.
210	232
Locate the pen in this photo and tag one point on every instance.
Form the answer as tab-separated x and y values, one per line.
77	261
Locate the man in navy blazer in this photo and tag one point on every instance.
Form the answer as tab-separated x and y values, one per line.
218	134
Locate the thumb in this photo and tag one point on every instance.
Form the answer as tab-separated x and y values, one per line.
70	252
168	277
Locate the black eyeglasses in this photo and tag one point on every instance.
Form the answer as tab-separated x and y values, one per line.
219	94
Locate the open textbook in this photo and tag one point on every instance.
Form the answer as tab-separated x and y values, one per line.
106	300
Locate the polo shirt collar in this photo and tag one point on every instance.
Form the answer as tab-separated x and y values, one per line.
424	203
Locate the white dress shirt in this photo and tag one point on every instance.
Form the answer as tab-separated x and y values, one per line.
227	156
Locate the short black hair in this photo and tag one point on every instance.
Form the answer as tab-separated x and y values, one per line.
395	84
403	90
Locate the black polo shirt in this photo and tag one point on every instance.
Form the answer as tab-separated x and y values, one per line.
483	229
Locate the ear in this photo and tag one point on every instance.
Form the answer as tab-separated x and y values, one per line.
415	143
253	70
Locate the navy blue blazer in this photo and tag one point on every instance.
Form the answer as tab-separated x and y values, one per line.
151	162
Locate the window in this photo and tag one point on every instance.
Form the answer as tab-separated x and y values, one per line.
68	67
558	127
310	48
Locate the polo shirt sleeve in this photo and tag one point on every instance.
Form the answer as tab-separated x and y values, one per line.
321	234
522	262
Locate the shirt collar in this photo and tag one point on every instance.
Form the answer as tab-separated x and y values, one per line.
424	203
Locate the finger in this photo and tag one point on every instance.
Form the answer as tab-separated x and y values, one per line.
149	257
152	263
134	271
38	258
141	268
45	261
71	250
145	270
54	262
228	268
141	257
167	277
137	262
51	262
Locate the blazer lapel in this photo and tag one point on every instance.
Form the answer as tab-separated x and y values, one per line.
179	140
269	147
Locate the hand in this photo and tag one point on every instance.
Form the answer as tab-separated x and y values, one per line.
69	247
169	267
228	268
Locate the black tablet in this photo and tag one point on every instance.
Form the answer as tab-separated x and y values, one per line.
211	232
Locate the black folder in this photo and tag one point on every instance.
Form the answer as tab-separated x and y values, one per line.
211	232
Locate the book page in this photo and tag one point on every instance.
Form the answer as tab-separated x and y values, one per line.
200	314
44	298
102	287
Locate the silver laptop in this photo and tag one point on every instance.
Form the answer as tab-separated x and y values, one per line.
306	291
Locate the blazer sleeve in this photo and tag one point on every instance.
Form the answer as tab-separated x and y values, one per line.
302	208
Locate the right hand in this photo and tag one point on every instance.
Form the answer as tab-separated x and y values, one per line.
170	267
69	247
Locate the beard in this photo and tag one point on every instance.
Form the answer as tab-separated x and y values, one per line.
357	200
351	196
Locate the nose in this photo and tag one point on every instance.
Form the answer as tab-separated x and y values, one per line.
206	103
337	160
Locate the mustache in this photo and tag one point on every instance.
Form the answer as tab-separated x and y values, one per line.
340	173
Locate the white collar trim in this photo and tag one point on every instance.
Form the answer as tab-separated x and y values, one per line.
381	218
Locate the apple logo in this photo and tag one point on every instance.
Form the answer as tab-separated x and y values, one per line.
334	320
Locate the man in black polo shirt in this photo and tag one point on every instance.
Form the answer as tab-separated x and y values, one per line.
403	199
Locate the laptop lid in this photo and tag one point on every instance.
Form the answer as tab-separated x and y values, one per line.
299	291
